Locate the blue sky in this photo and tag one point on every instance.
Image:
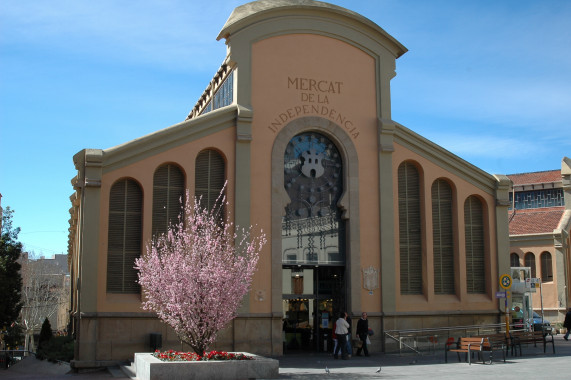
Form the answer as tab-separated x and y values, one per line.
488	80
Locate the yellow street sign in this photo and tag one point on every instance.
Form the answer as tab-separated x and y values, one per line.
505	281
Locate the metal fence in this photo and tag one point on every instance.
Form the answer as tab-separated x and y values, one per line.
11	357
429	340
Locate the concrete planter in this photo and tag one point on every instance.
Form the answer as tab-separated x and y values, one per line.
148	367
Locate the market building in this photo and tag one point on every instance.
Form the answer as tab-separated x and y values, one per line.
361	213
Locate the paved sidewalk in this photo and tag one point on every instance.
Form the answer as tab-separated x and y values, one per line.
533	364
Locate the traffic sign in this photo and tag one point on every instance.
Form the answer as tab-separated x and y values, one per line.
505	281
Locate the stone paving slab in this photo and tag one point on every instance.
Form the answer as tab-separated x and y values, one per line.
533	364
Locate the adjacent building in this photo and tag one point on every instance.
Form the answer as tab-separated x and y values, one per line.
45	294
540	224
361	212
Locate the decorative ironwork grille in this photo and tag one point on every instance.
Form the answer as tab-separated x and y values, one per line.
312	229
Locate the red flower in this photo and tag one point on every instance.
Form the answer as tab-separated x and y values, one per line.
171	355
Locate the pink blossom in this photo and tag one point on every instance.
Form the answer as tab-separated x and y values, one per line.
196	275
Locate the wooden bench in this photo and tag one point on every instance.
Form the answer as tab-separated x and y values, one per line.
467	345
495	342
521	336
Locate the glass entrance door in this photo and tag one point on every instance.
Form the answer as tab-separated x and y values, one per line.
312	300
313	242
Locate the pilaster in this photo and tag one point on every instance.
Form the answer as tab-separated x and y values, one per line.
503	186
386	130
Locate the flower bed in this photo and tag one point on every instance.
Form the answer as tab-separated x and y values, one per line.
214	365
177	356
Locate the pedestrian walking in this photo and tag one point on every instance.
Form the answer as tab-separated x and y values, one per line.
341	330
567	324
363	333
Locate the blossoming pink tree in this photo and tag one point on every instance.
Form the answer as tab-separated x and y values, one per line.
196	275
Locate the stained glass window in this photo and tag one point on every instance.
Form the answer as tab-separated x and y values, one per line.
312	229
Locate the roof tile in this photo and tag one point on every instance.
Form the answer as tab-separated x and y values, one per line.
536	221
536	177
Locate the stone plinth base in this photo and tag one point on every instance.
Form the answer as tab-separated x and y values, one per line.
148	367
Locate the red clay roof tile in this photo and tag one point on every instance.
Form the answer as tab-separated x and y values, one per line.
536	177
536	220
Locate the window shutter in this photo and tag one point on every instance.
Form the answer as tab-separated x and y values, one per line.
530	262
168	191
475	247
210	175
124	236
409	229
546	267
514	260
443	237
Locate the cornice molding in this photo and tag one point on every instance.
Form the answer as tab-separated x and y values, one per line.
444	158
169	138
260	11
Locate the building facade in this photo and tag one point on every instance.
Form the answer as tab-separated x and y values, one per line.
362	213
540	225
45	294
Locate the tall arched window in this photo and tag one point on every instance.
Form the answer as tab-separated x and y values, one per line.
443	237
410	236
514	260
546	267
168	192
210	175
124	236
475	245
313	231
529	261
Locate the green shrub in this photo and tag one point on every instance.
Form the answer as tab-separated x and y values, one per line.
59	348
46	334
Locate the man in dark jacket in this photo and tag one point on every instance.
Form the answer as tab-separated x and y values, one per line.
362	333
567	324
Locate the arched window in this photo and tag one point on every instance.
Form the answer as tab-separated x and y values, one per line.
210	175
546	267
124	236
529	261
443	237
168	192
313	231
514	260
475	245
410	237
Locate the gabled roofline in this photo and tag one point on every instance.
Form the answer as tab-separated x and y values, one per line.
255	11
168	138
435	153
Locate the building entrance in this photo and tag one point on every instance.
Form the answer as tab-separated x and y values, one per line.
312	300
313	243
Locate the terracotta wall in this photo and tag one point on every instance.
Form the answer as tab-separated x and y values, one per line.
143	172
307	75
462	189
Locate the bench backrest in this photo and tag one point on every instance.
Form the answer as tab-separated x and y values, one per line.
493	339
464	342
530	334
